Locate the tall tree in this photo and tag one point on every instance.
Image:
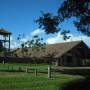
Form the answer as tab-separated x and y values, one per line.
69	8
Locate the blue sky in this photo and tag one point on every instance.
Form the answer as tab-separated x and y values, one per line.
18	16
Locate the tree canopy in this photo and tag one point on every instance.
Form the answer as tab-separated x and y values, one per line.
69	8
35	44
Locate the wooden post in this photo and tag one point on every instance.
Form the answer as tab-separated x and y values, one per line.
3	62
26	70
19	69
12	68
35	72
8	67
49	72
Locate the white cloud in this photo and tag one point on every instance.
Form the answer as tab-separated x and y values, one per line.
13	43
77	38
37	32
51	40
26	38
58	38
17	43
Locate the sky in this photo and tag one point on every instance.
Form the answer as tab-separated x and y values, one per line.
18	17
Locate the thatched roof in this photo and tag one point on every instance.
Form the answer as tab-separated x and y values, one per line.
4	32
53	50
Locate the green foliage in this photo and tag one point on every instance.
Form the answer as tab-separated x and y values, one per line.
36	44
24	49
64	34
69	8
49	23
79	9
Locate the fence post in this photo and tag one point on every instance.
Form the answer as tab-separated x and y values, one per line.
26	70
8	67
19	68
12	68
49	71
35	72
3	62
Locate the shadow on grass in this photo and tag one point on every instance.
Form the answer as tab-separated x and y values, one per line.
78	85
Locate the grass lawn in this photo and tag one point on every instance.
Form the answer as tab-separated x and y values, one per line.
28	81
25	81
16	66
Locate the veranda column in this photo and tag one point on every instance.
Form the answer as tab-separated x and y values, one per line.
9	42
5	41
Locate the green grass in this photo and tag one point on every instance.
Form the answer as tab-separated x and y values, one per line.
14	80
28	82
16	66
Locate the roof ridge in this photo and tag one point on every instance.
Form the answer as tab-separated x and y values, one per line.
65	42
3	31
